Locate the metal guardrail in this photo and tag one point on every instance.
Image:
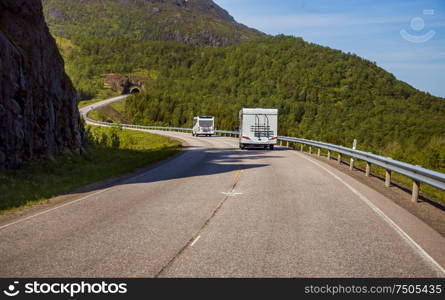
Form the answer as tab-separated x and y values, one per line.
180	129
416	173
138	126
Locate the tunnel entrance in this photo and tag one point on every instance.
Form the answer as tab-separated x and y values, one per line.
135	90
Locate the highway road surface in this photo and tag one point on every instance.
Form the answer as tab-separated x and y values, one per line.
217	211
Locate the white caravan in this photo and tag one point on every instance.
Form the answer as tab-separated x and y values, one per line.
203	125
258	127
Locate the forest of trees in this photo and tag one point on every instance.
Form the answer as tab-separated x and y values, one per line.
322	94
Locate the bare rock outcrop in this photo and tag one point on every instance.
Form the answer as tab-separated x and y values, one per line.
38	103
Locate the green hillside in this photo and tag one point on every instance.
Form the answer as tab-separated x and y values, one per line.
322	94
197	22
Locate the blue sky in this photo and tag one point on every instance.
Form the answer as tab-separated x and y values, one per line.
405	37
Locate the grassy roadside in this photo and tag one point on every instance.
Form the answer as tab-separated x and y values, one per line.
113	113
111	152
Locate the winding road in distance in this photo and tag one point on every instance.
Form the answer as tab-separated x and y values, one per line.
217	211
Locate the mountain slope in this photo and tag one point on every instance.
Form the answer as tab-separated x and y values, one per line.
197	22
322	94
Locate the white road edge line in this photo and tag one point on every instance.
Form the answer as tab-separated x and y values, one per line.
388	220
54	208
195	241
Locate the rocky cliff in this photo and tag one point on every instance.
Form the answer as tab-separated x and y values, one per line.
38	104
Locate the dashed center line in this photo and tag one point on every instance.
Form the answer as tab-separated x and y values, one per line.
231	194
195	241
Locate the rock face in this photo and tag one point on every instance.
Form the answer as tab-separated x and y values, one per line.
38	104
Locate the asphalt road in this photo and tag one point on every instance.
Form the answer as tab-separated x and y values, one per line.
217	211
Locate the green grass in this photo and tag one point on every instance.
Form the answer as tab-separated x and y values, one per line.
84	103
119	106
98	115
112	113
112	153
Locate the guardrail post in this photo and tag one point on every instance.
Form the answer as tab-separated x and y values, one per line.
329	154
287	144
388	178
351	165
302	148
416	188
339	158
310	149
319	152
368	169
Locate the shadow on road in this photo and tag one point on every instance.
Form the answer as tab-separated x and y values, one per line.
193	162
198	161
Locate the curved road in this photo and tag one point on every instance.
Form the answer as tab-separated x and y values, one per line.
217	211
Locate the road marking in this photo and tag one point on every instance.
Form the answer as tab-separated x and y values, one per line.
54	208
231	194
388	220
236	177
196	240
191	242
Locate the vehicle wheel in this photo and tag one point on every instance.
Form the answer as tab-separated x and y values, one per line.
242	147
271	147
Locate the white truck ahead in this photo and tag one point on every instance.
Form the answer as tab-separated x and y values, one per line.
203	125
258	127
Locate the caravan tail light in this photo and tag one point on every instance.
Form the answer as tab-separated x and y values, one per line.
273	138
246	138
